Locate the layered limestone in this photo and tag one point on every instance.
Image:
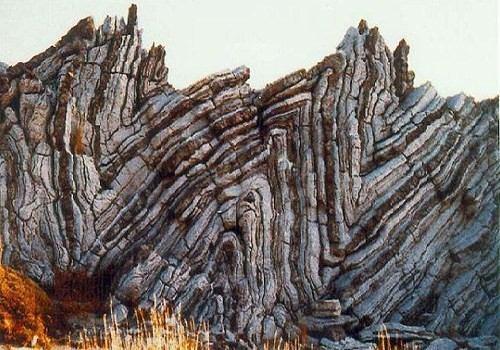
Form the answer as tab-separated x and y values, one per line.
333	199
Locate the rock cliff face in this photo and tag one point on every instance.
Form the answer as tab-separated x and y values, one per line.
334	199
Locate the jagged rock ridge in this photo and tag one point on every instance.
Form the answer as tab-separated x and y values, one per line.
335	198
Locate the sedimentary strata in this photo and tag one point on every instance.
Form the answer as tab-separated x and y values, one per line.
333	199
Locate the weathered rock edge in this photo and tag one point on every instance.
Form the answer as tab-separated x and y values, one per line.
335	198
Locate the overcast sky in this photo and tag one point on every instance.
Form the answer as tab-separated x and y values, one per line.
454	43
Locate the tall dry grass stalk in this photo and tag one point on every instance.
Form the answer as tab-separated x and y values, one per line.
280	344
162	329
150	331
386	343
158	329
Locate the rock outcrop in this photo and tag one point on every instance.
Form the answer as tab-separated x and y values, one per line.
3	67
333	199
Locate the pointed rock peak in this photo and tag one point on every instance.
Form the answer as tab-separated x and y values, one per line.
132	18
362	38
84	29
404	76
372	39
152	71
157	48
335	61
115	26
362	27
403	49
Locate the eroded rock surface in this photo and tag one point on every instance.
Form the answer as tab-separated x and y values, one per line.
335	198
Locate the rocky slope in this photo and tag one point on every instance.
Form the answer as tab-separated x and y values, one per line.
332	200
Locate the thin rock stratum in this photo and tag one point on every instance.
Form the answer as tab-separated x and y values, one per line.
332	200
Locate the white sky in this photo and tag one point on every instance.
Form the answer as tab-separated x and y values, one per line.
454	43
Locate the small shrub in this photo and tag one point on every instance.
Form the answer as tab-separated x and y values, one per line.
25	310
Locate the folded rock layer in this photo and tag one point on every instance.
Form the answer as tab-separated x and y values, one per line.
333	199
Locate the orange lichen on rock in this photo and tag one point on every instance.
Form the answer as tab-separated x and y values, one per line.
25	309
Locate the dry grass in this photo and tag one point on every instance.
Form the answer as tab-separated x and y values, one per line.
386	343
160	330
150	330
280	344
25	310
165	330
